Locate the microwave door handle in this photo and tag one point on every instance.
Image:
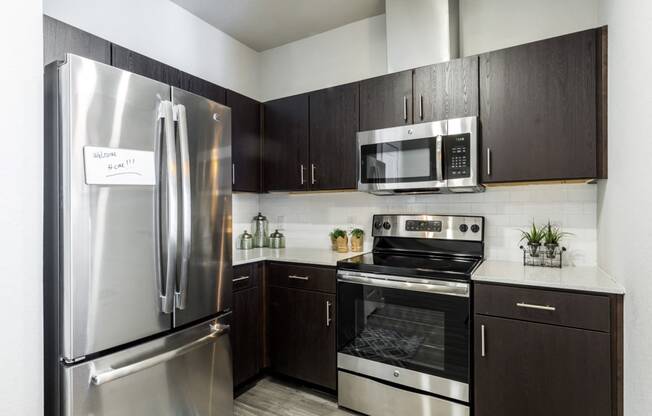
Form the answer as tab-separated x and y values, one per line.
438	161
181	294
169	160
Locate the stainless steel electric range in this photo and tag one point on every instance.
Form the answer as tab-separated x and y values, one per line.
403	317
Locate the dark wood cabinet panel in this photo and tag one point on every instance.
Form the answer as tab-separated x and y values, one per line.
446	90
303	276
202	87
245	334
334	121
302	341
247	142
538	110
60	38
285	144
131	61
540	370
386	101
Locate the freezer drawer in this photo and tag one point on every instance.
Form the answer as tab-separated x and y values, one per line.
187	373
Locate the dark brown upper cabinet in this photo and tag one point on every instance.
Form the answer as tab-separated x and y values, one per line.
202	87
131	61
539	110
446	90
386	101
60	38
246	142
334	121
285	147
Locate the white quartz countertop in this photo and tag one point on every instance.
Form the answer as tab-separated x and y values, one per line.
589	279
319	256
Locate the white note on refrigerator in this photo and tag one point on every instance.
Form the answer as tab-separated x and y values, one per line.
113	166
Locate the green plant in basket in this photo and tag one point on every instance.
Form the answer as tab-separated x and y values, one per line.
338	233
534	236
552	235
357	233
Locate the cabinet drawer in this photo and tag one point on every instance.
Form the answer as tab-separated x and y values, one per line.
302	277
243	277
546	306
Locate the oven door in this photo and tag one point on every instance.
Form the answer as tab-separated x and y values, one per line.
402	158
406	331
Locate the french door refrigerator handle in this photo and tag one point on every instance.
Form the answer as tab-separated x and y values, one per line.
170	159
98	379
181	295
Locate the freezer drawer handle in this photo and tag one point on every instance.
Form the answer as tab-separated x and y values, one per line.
181	293
217	330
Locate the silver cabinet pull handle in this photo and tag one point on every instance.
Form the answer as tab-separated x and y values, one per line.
539	307
239	279
312	173
421	106
169	160
405	108
301	170
483	351
233	174
293	276
488	161
181	294
328	313
113	374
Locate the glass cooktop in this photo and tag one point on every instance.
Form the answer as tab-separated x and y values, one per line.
426	266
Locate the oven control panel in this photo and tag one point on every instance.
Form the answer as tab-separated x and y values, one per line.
443	227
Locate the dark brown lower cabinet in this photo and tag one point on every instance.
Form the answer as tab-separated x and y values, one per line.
246	333
538	369
302	335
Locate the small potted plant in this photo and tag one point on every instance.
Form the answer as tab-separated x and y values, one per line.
357	239
333	241
533	237
341	240
551	237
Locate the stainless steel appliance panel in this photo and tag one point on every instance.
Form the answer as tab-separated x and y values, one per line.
377	399
111	273
186	373
204	262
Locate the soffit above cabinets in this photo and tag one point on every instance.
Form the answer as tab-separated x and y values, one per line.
265	24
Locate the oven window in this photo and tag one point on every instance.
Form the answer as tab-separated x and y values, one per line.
400	161
405	329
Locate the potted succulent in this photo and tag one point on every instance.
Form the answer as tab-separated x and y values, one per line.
551	237
533	237
357	239
333	241
341	240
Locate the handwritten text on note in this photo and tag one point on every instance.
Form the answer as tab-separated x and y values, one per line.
112	166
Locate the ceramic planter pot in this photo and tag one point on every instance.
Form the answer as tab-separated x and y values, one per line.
333	244
534	249
342	244
357	244
551	250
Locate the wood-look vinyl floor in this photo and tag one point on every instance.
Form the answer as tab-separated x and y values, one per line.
273	397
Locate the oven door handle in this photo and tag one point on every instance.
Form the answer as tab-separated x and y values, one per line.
396	282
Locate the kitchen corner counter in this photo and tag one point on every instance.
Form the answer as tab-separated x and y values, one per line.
317	256
586	279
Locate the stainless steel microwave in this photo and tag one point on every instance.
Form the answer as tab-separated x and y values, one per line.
437	157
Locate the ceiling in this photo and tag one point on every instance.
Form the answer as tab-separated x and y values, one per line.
265	24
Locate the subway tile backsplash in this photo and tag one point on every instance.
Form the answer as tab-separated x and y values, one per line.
306	219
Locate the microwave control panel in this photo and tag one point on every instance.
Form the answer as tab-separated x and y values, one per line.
457	153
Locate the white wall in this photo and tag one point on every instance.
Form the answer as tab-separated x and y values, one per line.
346	54
487	25
307	219
166	32
624	221
21	240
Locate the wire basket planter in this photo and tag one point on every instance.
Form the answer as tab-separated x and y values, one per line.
543	255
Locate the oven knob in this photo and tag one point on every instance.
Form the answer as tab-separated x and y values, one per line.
475	228
464	228
387	225
378	224
396	373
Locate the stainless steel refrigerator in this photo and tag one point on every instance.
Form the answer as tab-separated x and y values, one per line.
137	226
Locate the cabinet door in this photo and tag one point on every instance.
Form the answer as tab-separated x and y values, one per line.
131	61
60	38
245	334
286	144
538	110
202	87
540	370
245	134
302	335
334	120
386	101
446	90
